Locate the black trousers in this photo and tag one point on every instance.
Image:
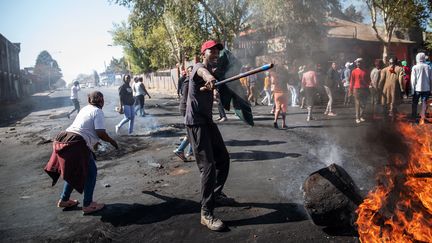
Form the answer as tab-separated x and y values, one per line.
212	159
139	100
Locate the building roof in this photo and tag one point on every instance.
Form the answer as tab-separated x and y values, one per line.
339	28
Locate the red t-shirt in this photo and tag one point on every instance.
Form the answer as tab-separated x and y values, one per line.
358	79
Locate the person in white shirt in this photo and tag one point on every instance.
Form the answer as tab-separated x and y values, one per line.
74	98
73	156
421	85
140	91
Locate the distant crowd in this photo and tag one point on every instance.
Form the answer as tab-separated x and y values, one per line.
384	87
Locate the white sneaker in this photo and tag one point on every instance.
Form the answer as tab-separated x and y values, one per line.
358	121
331	114
212	222
362	119
117	128
223	119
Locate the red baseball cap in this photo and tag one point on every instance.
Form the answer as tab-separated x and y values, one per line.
210	44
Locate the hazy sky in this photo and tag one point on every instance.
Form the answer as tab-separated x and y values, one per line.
74	32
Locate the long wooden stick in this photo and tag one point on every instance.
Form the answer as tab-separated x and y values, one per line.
245	74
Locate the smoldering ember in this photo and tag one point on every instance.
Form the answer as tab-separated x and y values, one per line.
223	121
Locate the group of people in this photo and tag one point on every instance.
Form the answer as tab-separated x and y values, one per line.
73	158
198	91
385	87
132	100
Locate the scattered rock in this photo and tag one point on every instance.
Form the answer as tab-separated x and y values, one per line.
107	185
12	129
156	165
331	197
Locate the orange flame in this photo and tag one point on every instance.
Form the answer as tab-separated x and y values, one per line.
399	209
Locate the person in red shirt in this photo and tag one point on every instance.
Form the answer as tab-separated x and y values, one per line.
359	87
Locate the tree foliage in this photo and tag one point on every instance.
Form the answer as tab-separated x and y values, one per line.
117	66
397	14
161	33
47	69
352	13
428	41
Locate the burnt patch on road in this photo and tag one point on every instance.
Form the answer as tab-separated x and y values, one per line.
169	130
127	146
255	155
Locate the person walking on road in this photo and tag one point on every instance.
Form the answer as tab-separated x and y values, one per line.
280	95
208	146
140	93
180	82
74	98
331	82
346	83
359	88
72	156
391	84
126	105
374	89
309	87
421	85
267	90
182	107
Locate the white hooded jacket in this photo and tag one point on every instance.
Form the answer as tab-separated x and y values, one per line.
421	75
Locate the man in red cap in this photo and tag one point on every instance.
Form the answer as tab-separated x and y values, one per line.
208	146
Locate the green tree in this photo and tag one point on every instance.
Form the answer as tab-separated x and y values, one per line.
397	14
96	78
224	19
354	15
135	56
117	66
428	40
47	69
159	33
167	32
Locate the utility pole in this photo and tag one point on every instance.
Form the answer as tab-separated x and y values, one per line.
49	75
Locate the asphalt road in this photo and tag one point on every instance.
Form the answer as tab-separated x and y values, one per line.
152	196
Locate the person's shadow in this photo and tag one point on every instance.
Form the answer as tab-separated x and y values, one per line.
120	214
257	155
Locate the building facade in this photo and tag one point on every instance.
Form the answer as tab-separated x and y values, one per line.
10	85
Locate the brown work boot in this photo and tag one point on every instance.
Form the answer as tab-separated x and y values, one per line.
212	223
